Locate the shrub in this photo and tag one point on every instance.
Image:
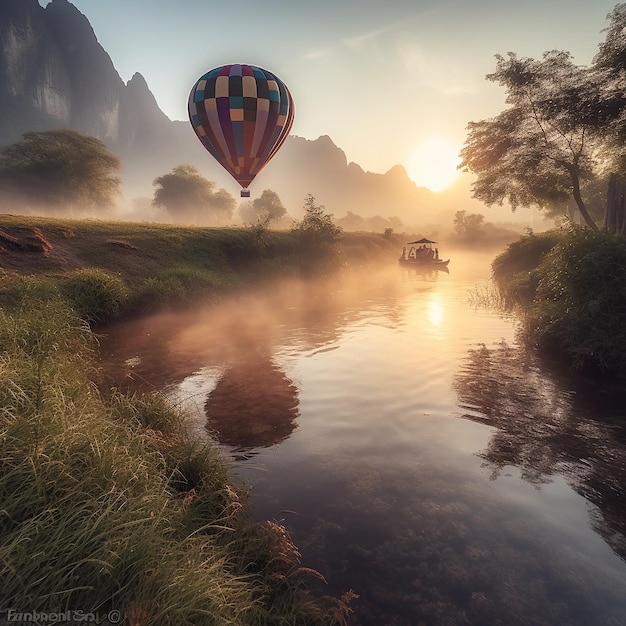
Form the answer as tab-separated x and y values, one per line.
177	287
317	236
580	301
95	295
514	269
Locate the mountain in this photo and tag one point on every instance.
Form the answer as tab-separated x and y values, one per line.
54	73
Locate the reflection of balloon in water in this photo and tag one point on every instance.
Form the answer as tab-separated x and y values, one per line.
253	405
242	115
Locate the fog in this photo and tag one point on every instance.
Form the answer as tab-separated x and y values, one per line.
162	349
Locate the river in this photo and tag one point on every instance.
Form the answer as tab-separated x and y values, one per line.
418	454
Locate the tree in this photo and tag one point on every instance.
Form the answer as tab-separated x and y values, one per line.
609	69
60	169
609	66
317	228
468	226
542	149
267	205
351	222
317	236
189	197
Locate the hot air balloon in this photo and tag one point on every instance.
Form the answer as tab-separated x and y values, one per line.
242	114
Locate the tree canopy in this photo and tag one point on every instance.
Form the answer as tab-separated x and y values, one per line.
59	170
563	130
189	197
317	229
266	207
467	225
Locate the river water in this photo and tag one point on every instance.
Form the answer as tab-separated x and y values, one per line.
416	452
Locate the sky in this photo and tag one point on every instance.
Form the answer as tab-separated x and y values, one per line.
387	80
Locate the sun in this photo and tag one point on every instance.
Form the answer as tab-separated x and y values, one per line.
433	163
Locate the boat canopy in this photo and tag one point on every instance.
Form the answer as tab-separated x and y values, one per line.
423	240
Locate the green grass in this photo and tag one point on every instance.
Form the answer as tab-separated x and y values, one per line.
571	285
106	269
107	503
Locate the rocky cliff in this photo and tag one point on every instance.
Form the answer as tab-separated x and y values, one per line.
54	73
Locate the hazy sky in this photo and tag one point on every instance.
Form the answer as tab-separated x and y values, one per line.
379	76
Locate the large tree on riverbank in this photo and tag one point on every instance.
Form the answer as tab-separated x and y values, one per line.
563	130
58	170
189	197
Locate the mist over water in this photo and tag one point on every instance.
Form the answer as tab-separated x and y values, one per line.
414	449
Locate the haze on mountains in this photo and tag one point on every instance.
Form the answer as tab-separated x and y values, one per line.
55	74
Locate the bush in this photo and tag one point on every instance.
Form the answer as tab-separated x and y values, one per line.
580	301
96	296
317	236
514	269
177	287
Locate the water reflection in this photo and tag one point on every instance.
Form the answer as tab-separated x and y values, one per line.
359	382
435	310
161	350
547	429
423	273
253	405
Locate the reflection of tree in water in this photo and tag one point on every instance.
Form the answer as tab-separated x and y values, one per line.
253	405
545	429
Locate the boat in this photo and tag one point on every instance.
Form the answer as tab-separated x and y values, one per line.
420	254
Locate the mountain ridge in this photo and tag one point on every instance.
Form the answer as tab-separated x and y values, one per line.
54	73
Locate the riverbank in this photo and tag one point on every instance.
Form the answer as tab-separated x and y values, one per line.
110	507
107	269
569	286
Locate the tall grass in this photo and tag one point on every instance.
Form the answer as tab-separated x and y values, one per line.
109	504
95	295
178	286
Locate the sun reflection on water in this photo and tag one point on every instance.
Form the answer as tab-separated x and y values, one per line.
435	311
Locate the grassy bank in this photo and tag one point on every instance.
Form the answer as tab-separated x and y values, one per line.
107	503
571	286
108	268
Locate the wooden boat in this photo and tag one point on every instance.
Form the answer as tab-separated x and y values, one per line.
421	254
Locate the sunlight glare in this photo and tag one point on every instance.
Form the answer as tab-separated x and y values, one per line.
434	163
435	313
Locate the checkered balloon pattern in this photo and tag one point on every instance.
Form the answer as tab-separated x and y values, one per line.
242	114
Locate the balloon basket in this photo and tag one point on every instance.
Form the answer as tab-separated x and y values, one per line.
245	193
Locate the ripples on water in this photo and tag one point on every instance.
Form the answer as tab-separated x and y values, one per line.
431	464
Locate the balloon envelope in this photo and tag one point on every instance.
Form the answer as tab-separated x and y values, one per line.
242	114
